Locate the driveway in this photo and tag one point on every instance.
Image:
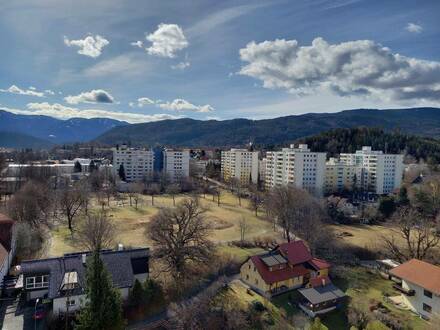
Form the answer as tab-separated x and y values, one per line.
15	316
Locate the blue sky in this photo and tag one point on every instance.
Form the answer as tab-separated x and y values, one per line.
150	60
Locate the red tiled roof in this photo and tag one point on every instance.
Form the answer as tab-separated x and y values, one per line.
6	225
296	252
319	264
277	275
420	273
320	281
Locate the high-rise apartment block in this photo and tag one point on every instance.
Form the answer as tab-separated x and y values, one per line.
176	164
299	167
241	164
375	171
139	164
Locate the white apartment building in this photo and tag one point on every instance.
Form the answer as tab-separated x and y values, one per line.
176	164
339	176
296	166
241	164
138	163
375	171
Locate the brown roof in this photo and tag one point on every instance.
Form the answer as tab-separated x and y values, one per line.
419	272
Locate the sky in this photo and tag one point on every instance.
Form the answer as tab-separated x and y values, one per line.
147	60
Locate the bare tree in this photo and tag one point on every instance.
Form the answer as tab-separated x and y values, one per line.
72	200
32	204
96	232
416	231
180	235
256	200
153	189
243	225
292	209
173	190
134	189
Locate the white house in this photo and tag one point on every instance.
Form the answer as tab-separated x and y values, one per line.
420	286
61	280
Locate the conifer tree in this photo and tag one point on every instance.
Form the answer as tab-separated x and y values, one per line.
103	306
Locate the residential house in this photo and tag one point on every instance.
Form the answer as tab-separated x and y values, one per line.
286	267
420	286
7	245
320	296
61	280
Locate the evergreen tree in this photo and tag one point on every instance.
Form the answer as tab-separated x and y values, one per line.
92	166
103	307
121	172
403	199
77	167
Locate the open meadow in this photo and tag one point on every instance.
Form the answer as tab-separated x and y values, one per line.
131	222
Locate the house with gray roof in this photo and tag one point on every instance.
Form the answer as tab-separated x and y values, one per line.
61	280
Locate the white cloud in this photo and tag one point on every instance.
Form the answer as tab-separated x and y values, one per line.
13	89
49	92
354	68
63	112
138	44
183	105
143	101
89	46
166	41
181	65
414	28
94	96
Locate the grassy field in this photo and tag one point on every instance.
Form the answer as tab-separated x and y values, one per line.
131	222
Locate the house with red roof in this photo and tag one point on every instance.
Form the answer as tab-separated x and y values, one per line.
7	245
288	266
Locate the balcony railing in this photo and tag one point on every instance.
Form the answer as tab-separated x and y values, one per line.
405	291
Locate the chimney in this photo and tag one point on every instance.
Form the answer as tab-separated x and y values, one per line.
120	247
323	282
84	258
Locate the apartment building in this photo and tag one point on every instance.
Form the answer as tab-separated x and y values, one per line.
297	166
137	163
339	176
241	164
375	171
176	164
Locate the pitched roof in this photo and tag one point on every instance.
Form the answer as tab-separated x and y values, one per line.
319	264
277	275
319	281
6	225
118	263
296	252
321	294
419	272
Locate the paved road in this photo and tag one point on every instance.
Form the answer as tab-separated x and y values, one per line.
14	316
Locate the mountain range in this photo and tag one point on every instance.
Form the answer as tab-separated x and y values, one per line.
278	131
44	131
50	130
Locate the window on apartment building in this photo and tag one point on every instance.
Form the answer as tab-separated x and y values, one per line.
427	308
70	302
427	293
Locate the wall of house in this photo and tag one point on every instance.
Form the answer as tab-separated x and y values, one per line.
59	304
415	303
34	294
251	276
141	277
